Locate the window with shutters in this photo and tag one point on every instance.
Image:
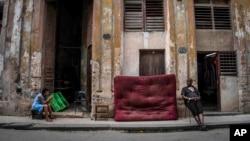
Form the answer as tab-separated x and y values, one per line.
143	15
212	14
228	63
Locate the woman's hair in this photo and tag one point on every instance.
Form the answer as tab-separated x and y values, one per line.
44	90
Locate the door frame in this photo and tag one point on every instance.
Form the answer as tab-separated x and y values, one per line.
89	77
48	68
218	95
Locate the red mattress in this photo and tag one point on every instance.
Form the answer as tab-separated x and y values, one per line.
145	98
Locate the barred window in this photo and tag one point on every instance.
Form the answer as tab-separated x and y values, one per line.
228	63
212	14
143	15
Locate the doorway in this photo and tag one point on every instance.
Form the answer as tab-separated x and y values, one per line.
208	80
66	32
68	48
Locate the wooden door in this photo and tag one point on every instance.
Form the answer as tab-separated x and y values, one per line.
152	62
49	46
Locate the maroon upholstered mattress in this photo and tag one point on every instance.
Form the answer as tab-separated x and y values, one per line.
145	98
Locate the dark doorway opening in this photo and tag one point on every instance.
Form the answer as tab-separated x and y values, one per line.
208	80
68	47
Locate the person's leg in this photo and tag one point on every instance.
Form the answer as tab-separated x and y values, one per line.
50	112
46	111
191	107
200	112
197	120
201	117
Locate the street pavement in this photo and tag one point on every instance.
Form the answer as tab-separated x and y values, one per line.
221	134
87	124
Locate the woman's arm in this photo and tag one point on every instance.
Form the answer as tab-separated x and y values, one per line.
186	98
45	101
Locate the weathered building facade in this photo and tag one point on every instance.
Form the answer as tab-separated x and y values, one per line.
86	43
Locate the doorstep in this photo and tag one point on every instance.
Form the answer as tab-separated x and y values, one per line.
71	114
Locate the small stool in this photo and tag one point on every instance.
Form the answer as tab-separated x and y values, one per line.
103	110
36	115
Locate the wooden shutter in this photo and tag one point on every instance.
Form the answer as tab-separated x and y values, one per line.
154	15
222	18
203	17
228	63
133	15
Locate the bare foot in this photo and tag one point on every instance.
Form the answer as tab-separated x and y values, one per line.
52	117
48	120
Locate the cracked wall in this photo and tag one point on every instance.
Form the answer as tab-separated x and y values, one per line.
21	49
241	25
21	52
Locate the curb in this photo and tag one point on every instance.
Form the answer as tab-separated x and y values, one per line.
147	127
91	127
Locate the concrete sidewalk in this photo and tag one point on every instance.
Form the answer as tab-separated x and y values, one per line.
86	124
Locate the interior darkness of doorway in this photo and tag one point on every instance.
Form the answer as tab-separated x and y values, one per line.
207	80
68	47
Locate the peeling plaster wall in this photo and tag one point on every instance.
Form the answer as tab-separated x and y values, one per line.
22	53
133	42
210	40
229	94
122	55
106	57
103	65
241	25
179	32
185	36
114	52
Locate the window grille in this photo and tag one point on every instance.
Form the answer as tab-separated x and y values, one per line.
222	18
228	63
203	18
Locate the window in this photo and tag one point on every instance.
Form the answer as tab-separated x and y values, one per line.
143	15
228	63
212	14
152	62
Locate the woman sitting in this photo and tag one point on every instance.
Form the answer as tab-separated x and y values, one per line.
42	103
